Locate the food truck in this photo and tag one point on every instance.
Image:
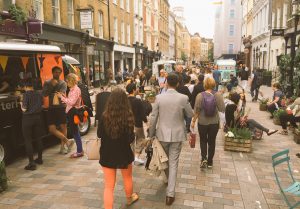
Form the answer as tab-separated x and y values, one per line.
226	67
19	61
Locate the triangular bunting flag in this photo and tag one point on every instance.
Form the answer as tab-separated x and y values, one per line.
24	62
57	59
41	59
3	62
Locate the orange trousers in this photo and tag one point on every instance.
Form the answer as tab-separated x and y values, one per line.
110	181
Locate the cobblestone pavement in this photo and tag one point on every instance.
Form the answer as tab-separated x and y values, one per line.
237	180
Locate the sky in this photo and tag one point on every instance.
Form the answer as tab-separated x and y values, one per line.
199	15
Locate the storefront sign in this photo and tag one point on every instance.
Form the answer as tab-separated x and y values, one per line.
278	32
11	28
86	19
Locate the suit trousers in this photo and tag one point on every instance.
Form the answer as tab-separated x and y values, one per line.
172	149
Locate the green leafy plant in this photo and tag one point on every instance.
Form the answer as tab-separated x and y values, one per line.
150	94
263	101
279	113
17	14
241	134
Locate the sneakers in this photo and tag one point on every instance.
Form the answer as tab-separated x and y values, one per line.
203	164
138	161
70	145
210	165
63	150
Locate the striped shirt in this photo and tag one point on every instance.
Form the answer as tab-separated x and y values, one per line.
32	102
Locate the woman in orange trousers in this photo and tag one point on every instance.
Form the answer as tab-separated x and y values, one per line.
116	130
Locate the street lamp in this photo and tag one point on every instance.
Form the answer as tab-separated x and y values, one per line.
295	14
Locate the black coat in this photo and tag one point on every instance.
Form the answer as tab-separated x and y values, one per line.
197	89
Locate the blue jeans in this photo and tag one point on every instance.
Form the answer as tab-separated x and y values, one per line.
77	138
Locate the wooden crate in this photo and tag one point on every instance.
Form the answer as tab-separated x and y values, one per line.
276	121
262	107
230	144
297	136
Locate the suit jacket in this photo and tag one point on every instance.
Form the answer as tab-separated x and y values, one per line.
167	119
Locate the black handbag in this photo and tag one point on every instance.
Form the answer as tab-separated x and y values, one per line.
149	152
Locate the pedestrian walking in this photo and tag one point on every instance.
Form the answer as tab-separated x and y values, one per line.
74	102
197	89
278	95
168	115
217	77
292	116
244	77
162	81
56	115
116	131
256	82
32	123
207	107
139	117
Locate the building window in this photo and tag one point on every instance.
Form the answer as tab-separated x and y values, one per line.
230	48
38	8
232	2
127	5
100	21
70	14
136	33
122	4
231	30
115	2
56	12
122	32
116	29
141	33
232	13
128	34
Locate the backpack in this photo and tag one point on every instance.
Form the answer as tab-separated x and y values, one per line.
244	74
259	78
209	104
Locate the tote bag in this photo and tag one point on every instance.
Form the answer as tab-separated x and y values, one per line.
93	149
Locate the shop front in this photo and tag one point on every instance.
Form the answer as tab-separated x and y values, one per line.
139	55
149	58
124	59
100	62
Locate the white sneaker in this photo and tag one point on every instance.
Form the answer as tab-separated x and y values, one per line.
63	150
138	161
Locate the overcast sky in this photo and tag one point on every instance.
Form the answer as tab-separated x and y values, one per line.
199	15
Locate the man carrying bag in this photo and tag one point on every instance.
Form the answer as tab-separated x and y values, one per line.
168	115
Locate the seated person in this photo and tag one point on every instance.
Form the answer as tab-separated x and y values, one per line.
232	83
236	115
275	104
293	116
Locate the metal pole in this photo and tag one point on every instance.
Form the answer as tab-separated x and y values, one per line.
293	54
270	29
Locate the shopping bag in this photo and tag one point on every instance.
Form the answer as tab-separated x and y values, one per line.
192	139
93	149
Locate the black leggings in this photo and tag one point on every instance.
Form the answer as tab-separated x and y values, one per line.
284	119
32	127
208	135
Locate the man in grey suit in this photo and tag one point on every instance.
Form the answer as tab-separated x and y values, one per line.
168	124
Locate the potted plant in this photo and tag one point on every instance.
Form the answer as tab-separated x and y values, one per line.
276	116
3	177
297	135
150	96
267	77
238	139
263	104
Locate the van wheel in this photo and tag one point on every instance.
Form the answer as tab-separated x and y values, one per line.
84	127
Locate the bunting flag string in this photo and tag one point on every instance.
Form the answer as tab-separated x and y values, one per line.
25	61
41	59
3	62
57	59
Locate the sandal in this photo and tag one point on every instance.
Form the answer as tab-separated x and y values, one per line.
283	132
134	197
76	155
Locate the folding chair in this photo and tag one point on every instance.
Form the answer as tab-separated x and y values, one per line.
294	187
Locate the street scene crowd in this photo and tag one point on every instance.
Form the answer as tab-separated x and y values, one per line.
141	132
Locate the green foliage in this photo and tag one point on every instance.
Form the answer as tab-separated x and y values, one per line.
150	94
184	57
241	134
284	66
267	73
263	101
3	177
17	14
279	113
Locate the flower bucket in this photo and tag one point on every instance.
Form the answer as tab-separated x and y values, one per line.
262	107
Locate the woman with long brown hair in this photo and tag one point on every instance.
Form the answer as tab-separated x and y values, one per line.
116	130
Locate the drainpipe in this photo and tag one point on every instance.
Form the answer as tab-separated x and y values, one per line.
108	8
